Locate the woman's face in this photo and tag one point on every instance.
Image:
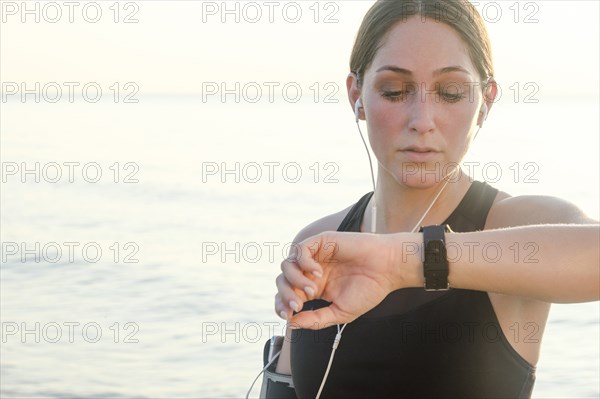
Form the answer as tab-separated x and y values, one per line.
421	97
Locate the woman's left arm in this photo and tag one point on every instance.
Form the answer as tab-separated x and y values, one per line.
551	263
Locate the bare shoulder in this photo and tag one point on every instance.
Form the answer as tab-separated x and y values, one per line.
327	223
525	210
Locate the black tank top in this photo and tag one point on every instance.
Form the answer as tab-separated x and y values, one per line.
416	343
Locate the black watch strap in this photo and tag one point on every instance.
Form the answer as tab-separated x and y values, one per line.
435	264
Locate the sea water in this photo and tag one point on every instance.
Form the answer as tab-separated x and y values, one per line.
194	211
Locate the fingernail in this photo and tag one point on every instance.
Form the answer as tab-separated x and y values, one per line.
294	306
283	314
317	274
309	291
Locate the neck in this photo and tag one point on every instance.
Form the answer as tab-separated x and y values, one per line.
400	207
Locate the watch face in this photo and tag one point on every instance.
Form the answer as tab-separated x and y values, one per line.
435	265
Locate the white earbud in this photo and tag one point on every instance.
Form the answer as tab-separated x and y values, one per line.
357	107
484	110
483	114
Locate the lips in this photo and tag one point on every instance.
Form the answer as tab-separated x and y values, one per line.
419	154
415	148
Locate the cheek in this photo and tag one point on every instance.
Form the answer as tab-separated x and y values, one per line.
458	137
460	119
384	130
385	121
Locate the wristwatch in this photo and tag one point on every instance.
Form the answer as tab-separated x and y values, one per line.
435	264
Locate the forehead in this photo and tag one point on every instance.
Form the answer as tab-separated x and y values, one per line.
423	46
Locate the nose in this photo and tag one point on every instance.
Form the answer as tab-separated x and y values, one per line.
421	119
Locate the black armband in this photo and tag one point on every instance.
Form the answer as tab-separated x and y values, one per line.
275	385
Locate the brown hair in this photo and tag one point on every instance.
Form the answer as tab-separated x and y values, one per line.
458	14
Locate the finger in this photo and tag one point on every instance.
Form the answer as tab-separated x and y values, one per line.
281	310
298	280
288	292
320	318
305	255
288	299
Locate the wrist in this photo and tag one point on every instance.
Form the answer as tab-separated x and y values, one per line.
407	260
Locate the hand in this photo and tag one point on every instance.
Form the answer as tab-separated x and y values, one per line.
354	271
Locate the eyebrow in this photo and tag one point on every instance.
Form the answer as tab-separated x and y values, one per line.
403	71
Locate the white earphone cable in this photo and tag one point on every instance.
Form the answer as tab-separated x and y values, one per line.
374	207
336	342
262	371
338	336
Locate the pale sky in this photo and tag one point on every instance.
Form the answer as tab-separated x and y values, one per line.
177	45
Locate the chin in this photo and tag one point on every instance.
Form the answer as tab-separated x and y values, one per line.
425	175
417	182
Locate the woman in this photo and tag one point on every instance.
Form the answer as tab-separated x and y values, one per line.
422	78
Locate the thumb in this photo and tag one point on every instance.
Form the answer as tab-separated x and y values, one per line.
319	319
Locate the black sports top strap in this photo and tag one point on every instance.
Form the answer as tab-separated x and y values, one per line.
354	218
472	212
469	215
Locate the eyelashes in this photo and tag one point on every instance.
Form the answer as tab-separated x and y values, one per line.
443	95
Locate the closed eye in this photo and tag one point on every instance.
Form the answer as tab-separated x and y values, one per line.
451	97
395	96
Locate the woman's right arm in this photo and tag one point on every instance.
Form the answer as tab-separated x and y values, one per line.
283	363
328	223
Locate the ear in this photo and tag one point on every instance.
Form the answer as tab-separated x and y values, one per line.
354	94
490	92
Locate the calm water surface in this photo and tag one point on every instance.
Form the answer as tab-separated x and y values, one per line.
179	301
